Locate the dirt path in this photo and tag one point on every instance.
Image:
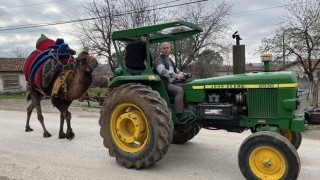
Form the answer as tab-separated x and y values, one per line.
210	155
22	105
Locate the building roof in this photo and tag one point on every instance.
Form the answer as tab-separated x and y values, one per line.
11	64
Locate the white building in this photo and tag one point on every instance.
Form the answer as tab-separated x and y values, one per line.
11	75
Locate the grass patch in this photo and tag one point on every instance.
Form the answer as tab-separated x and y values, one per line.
92	92
13	96
312	127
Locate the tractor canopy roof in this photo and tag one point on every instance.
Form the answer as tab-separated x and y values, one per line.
170	31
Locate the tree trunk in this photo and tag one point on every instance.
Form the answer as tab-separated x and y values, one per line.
315	92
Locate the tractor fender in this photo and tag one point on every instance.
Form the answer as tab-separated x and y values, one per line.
151	80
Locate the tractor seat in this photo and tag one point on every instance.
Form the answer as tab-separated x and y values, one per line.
134	72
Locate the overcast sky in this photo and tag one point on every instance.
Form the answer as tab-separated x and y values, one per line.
251	18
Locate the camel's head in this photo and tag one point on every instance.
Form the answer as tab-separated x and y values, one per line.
86	62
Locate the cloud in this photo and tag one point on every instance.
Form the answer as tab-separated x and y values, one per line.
252	25
16	13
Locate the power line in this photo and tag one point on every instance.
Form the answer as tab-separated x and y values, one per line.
164	3
18	26
273	7
30	10
93	18
35	4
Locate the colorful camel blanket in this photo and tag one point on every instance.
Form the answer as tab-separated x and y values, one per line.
47	62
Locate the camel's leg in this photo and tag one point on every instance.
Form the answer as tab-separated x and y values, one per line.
62	135
62	106
37	103
29	112
70	134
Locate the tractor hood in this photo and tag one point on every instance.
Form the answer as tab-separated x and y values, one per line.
248	80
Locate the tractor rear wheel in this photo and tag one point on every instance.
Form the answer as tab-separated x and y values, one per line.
268	155
136	126
184	135
294	137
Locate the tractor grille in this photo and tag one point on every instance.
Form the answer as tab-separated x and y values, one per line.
262	103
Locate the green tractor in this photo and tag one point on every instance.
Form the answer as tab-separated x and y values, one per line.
138	123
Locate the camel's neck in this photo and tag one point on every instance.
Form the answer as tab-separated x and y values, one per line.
78	83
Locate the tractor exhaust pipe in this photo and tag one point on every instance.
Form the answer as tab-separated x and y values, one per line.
239	59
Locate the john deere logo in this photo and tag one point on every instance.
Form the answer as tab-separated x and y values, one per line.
213	111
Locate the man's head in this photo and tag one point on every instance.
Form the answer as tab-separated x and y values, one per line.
165	49
142	38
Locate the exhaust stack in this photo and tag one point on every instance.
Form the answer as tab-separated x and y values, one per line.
239	59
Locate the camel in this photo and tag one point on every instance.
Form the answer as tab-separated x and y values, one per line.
78	82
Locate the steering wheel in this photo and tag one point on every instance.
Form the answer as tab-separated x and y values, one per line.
186	78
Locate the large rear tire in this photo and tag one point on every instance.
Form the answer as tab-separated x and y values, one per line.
181	136
294	137
268	155
136	126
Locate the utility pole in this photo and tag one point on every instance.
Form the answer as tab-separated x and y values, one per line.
283	50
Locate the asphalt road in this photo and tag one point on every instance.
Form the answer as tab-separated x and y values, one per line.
210	155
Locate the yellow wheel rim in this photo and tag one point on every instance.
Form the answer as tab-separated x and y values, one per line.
267	163
287	134
129	128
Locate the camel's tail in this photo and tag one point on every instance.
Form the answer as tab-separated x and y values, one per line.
28	90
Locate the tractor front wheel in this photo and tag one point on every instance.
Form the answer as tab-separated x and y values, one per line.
136	126
294	137
268	155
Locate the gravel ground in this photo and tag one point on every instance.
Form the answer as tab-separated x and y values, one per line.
47	107
81	108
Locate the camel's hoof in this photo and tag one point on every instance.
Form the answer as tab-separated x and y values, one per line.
70	135
46	134
62	135
28	129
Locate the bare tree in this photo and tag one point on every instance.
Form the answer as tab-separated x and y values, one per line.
20	52
111	15
136	13
97	32
207	64
298	37
214	19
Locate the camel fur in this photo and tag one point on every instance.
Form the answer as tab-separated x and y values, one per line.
77	83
